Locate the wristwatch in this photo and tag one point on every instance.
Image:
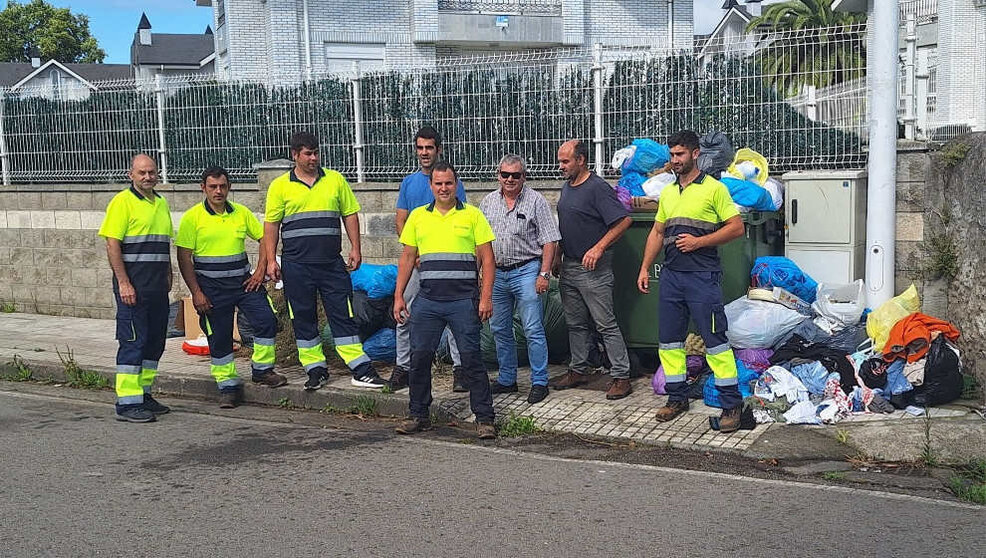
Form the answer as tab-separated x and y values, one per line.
545	275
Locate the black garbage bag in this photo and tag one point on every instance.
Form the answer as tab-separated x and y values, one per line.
942	375
716	153
847	340
372	314
555	330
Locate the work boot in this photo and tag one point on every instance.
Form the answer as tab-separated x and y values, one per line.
135	414
413	425
671	410
619	388
571	379
537	394
153	406
485	430
459	380
398	378
729	420
229	399
497	388
270	379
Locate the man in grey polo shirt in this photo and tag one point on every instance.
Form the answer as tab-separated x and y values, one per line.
524	250
591	220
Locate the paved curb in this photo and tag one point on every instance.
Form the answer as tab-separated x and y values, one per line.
204	388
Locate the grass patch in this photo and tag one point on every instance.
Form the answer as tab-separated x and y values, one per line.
22	372
941	248
386	389
76	376
285	403
834	475
970	483
518	426
842	436
929	455
954	153
330	408
7	307
364	406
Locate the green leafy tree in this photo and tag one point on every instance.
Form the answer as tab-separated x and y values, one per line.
807	43
55	32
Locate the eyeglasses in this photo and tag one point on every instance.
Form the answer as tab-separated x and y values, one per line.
514	175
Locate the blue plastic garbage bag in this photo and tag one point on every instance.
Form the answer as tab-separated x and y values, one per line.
648	157
710	394
382	345
633	182
777	271
748	194
377	281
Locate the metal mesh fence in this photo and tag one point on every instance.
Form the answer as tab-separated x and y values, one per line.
528	103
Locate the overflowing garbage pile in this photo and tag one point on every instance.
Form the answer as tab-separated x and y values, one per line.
372	305
810	353
645	170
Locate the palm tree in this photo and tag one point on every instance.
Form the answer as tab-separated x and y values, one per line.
806	43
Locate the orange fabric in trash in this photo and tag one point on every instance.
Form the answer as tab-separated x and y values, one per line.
910	338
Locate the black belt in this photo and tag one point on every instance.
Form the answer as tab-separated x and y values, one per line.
516	265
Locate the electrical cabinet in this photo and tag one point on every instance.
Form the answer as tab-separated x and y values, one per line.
825	223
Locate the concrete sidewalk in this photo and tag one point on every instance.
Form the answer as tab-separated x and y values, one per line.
955	431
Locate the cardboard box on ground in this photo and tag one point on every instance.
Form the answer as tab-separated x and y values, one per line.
188	320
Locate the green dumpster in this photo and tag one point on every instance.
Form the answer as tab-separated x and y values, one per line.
637	312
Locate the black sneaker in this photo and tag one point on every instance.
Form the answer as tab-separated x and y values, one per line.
135	414
153	406
497	387
537	394
368	380
413	426
317	377
398	378
459	380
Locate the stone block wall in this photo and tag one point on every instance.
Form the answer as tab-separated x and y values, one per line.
941	203
53	262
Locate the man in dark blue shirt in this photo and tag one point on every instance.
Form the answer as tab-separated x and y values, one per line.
415	192
590	219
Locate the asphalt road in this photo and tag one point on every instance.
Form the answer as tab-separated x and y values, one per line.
77	483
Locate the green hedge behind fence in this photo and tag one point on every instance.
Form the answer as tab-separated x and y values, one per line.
482	113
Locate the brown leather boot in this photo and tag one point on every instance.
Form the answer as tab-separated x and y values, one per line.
671	410
619	388
570	379
729	420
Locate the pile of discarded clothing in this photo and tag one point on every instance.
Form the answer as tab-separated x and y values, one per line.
810	353
372	305
644	172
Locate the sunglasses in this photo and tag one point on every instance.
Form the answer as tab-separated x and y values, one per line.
514	175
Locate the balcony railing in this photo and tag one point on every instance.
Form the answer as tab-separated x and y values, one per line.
925	11
525	7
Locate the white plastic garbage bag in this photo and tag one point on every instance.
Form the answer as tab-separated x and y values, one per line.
622	155
653	185
776	189
839	306
756	324
802	413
